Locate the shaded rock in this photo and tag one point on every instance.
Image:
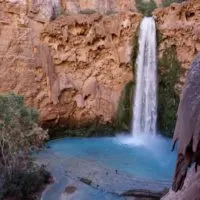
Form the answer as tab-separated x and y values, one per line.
190	189
187	130
144	194
186	185
86	181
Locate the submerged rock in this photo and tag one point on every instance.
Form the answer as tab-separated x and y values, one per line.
86	181
70	189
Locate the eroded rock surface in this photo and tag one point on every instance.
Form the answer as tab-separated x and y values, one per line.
187	132
102	6
190	189
179	25
73	67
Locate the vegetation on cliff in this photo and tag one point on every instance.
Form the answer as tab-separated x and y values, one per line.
124	112
146	8
166	3
135	50
169	71
87	11
19	136
24	184
93	129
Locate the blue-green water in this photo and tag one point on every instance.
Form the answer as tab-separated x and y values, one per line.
143	157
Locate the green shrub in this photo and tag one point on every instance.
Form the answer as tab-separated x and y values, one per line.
146	8
111	12
25	183
19	133
124	112
87	11
168	100
134	51
166	3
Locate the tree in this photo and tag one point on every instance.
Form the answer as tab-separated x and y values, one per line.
19	134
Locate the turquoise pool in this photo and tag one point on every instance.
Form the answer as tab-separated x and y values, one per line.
146	157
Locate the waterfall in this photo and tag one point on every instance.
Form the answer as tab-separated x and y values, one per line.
145	101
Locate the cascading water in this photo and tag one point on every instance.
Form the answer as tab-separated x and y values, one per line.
145	102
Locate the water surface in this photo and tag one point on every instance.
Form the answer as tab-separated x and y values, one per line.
146	157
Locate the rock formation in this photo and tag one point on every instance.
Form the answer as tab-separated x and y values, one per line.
179	25
102	6
73	67
187	132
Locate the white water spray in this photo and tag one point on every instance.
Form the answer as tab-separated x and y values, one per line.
145	102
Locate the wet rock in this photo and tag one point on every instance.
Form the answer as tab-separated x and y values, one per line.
70	189
86	181
144	194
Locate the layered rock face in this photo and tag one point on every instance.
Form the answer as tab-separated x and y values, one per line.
102	6
73	68
179	25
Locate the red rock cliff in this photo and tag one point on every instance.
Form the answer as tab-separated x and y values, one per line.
73	67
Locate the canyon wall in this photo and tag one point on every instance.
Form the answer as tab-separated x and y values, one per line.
179	26
73	67
103	6
178	43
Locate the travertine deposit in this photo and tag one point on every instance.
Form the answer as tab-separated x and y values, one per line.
179	25
72	66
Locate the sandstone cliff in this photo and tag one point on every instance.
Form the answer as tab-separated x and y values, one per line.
73	67
179	25
102	6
